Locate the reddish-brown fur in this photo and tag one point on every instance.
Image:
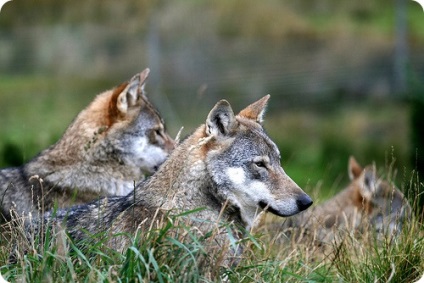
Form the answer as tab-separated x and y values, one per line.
114	113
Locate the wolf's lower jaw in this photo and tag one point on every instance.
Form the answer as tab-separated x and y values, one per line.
300	207
265	206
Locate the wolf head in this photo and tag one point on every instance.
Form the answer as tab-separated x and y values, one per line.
136	130
385	205
120	136
245	163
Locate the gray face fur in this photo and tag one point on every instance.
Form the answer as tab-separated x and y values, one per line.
143	143
247	172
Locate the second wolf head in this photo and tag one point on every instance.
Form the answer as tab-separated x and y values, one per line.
108	148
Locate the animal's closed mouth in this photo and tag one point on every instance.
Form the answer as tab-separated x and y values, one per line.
265	206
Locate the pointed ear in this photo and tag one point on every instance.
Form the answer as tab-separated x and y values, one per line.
135	88
256	110
354	169
221	119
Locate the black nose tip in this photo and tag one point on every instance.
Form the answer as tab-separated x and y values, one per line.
304	202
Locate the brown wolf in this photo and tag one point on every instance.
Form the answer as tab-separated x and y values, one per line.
369	203
228	166
108	148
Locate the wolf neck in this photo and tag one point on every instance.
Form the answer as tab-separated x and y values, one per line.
191	185
61	166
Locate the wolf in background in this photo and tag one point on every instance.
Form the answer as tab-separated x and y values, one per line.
228	166
367	204
106	150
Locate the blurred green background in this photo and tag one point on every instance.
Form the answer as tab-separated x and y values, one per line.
345	77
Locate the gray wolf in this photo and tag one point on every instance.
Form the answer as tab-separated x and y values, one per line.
228	166
108	148
368	204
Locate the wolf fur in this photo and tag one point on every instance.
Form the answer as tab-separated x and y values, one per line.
367	204
228	166
108	148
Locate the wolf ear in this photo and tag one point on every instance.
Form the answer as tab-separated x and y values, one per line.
135	88
256	110
220	120
354	169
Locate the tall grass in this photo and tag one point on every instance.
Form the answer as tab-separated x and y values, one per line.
172	251
383	261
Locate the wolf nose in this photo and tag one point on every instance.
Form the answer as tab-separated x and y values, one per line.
304	202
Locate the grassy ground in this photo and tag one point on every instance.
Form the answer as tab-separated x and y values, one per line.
174	252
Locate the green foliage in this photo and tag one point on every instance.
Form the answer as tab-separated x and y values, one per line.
315	146
37	110
271	19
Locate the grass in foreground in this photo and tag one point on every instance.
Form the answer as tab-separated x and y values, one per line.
174	252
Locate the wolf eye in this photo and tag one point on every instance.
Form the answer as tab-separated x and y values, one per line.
156	136
260	164
158	133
